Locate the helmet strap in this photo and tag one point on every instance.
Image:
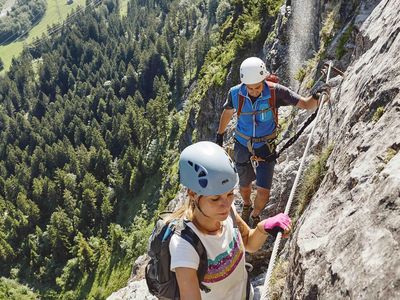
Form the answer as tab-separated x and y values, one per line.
196	204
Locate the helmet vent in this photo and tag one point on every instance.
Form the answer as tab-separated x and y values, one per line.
225	181
201	173
203	182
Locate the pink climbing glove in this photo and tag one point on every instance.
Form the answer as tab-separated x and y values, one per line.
278	223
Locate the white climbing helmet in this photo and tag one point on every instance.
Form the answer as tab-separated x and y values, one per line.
207	169
253	70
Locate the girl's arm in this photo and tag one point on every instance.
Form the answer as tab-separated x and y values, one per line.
188	283
253	239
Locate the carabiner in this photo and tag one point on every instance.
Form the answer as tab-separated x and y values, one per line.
254	162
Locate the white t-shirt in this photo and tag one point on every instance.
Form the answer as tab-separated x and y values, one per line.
226	276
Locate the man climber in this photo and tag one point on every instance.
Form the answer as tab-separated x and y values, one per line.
256	101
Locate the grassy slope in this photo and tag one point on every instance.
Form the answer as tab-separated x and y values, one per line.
114	270
110	276
123	7
57	10
132	203
52	16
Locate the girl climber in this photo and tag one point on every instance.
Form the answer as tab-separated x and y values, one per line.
210	176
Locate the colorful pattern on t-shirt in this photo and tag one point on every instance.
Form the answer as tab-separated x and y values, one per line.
225	263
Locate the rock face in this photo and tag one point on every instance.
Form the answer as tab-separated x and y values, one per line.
135	290
346	244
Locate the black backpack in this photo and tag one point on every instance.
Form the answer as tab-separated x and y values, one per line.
160	280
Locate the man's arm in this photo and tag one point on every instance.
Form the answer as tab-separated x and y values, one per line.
226	116
313	100
307	102
285	96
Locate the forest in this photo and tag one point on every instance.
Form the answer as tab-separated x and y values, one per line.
91	122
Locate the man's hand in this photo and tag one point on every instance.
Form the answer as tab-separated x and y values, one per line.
319	89
219	140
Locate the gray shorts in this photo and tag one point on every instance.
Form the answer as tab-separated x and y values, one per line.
264	171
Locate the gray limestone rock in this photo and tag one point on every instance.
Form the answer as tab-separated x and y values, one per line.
135	290
346	244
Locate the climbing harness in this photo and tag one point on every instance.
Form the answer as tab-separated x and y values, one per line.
265	291
252	140
275	155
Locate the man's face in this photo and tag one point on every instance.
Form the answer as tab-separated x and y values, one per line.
255	89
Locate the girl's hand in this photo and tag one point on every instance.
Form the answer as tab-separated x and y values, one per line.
279	223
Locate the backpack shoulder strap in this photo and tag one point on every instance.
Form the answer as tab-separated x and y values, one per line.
272	101
240	106
191	237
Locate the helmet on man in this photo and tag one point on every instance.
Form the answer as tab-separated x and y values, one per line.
206	169
253	70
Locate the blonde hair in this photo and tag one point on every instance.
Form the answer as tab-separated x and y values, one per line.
185	211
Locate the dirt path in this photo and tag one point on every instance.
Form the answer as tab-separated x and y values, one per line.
6	7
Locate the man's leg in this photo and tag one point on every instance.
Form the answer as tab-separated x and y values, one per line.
261	200
246	176
245	191
265	172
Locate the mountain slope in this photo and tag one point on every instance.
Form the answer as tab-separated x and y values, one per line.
345	243
88	131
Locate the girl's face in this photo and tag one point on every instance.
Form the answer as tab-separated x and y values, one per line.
216	207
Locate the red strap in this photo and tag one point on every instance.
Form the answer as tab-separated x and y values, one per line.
272	101
241	103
